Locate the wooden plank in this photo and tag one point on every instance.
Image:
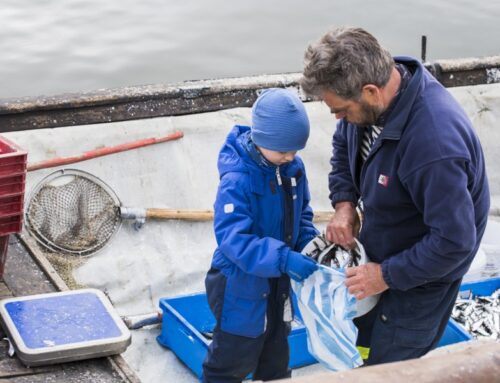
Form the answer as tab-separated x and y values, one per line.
22	275
12	367
42	262
4	290
136	102
87	371
191	97
465	72
475	362
123	369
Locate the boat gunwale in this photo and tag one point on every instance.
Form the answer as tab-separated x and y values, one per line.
191	97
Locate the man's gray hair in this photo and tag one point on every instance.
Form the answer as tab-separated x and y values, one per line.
343	61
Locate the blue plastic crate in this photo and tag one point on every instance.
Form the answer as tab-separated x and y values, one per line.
187	318
483	287
454	333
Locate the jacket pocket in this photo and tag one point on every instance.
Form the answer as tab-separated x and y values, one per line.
245	305
247	286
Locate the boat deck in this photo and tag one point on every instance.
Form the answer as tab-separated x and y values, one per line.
23	276
170	258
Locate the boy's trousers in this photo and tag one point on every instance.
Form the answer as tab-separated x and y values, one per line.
231	358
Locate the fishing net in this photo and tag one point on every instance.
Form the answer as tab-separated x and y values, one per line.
73	212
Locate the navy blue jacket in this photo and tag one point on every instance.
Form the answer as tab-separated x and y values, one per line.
423	186
249	222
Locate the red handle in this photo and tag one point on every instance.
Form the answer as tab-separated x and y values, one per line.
102	152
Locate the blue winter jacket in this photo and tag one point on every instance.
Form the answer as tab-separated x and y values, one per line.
423	186
249	214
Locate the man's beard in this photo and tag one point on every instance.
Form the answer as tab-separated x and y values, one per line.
368	114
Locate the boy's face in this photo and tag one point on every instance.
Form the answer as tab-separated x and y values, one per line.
277	158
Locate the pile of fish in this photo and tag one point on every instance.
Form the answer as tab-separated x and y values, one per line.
329	254
480	315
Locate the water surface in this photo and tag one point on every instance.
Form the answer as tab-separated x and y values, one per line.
53	46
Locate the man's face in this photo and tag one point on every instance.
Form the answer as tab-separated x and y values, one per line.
359	112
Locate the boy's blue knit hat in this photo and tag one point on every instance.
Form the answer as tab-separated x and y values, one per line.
279	121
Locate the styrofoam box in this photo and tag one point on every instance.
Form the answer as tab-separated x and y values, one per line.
63	326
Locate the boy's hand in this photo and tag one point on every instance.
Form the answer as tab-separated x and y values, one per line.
299	267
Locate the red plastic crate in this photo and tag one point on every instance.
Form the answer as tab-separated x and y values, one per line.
12	185
13	162
13	159
11	224
11	205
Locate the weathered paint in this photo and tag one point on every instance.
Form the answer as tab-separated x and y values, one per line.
190	97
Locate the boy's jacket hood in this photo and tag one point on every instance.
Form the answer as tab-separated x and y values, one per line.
233	156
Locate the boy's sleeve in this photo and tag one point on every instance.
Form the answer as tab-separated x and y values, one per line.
233	223
307	231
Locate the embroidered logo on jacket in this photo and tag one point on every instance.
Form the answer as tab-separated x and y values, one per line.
383	180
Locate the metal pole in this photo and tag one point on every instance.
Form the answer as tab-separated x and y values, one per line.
424	48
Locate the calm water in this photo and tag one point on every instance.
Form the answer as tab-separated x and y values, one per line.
56	46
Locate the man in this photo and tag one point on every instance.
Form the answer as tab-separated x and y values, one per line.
406	153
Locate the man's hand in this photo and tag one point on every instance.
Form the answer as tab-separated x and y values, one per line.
344	225
365	280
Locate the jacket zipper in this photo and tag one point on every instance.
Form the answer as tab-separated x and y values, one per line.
280	184
278	176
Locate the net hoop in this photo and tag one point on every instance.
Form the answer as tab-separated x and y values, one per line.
56	182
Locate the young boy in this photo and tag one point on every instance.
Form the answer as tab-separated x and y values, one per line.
262	221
